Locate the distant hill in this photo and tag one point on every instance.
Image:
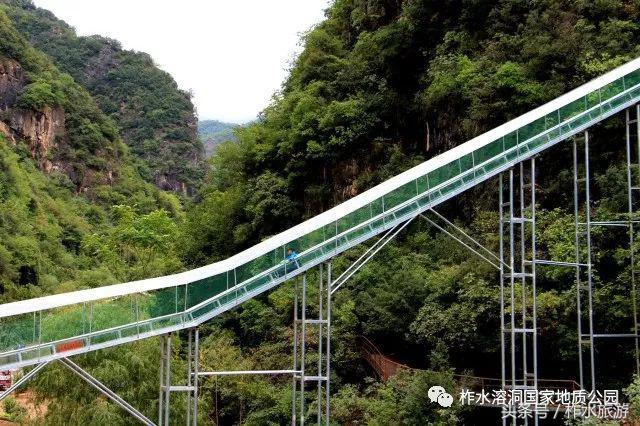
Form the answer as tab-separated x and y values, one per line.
154	117
213	132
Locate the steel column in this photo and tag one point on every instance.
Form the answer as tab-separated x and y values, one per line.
189	375
512	323
585	339
520	245
631	219
193	366
578	256
295	354
328	357
191	388
303	345
534	285
321	374
320	297
587	187
502	310
165	379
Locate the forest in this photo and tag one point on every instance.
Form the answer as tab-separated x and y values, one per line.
124	193
214	132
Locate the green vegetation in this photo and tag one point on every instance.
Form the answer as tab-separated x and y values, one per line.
13	412
91	146
39	94
155	118
214	132
380	86
53	240
88	219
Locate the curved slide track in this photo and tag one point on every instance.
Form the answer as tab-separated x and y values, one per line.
46	328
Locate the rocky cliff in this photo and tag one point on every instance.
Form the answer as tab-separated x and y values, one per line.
12	81
39	129
155	118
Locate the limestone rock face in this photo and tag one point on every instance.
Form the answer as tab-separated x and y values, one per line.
39	129
12	80
6	131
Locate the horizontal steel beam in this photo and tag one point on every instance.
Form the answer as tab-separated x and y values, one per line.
556	263
245	372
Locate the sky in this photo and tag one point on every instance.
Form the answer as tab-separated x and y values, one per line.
233	55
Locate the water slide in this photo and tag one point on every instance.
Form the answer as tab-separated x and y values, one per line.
50	327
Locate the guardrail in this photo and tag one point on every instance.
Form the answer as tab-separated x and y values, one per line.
62	325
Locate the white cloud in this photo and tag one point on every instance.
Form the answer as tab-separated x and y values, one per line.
233	54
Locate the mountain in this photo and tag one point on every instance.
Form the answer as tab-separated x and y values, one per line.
63	168
63	127
75	211
155	118
379	86
214	132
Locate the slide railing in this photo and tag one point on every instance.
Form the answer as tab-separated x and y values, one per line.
35	330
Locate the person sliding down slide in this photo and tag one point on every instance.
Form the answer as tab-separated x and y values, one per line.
292	255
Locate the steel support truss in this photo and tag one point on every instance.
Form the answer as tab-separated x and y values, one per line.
516	262
466	240
304	371
315	333
191	387
587	336
24	379
518	293
100	387
92	381
307	332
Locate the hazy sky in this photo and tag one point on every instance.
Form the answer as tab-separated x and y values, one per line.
233	54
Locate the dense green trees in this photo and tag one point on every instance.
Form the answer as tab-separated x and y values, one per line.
380	86
155	118
89	221
54	241
91	146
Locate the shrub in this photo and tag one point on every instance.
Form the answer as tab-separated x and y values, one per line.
39	94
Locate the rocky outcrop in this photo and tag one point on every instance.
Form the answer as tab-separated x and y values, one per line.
169	182
6	131
40	129
12	80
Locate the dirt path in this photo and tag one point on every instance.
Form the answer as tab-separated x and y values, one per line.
27	401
